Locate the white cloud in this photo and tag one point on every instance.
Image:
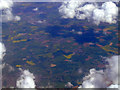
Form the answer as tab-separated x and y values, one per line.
41	21
112	69
5	4
26	80
103	78
86	10
95	79
69	9
113	86
35	9
9	67
2	51
17	18
107	12
6	9
69	85
2	66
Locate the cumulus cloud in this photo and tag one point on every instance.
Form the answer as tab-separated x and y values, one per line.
112	69
69	9
35	9
107	12
26	80
113	86
5	4
6	11
2	51
69	85
17	18
103	78
95	79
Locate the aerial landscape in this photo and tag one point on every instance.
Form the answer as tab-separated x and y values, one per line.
57	52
